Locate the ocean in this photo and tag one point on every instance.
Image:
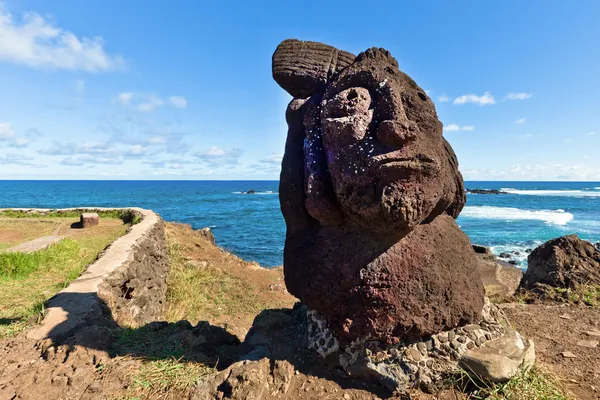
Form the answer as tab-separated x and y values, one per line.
251	225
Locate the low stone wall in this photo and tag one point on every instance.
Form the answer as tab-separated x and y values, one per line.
126	285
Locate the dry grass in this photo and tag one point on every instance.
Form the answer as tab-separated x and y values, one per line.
13	232
208	284
588	295
28	280
531	384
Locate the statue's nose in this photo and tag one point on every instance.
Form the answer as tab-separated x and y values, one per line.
396	134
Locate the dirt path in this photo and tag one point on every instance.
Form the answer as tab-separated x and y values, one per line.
558	330
35	244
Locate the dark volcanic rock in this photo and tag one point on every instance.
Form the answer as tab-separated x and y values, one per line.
564	262
251	191
485	191
304	68
479	249
369	190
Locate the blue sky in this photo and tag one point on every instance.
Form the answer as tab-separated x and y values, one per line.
183	89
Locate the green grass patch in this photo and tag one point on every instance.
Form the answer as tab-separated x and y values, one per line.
28	280
580	294
149	342
170	375
531	384
17	265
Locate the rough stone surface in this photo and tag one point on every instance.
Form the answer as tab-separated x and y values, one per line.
369	190
501	280
500	359
89	219
564	262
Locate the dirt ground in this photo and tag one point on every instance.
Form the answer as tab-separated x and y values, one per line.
556	329
164	360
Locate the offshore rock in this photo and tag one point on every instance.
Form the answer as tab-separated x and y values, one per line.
370	191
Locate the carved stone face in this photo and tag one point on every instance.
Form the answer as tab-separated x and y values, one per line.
383	145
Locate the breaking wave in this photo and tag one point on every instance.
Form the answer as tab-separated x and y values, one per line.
564	193
556	217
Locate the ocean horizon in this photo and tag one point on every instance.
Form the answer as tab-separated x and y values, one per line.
252	227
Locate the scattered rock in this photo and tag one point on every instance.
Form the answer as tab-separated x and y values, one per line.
482	250
500	359
277	287
89	219
485	191
564	262
591	344
564	316
568	354
594	333
207	232
501	280
250	192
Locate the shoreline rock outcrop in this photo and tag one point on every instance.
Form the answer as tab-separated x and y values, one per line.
564	262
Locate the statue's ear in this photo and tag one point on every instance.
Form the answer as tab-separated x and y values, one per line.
460	195
291	180
320	200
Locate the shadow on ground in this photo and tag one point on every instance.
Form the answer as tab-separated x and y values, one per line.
276	334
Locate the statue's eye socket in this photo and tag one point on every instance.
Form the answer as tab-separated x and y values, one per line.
352	94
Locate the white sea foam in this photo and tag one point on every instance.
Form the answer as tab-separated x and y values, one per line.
565	193
259	193
556	217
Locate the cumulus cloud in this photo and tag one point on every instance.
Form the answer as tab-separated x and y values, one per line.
9	138
124	98
559	171
518	96
273	159
483	100
178	101
217	156
521	121
456	128
18	159
69	149
90	159
35	42
443	98
149	102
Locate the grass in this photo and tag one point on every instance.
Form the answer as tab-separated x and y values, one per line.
127	216
27	281
13	232
580	294
530	384
168	376
200	293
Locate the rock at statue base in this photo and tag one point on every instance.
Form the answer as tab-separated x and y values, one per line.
565	262
89	219
490	349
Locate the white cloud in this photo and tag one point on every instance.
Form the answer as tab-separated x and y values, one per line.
219	156
521	121
150	104
38	43
70	149
90	159
178	101
590	133
533	172
455	128
273	159
518	96
528	135
483	100
125	98
6	131
443	98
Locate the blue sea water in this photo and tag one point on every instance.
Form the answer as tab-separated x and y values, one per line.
252	227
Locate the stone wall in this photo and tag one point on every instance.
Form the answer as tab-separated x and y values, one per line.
126	285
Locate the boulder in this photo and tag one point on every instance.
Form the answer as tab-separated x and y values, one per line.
89	219
482	250
501	280
370	190
565	262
